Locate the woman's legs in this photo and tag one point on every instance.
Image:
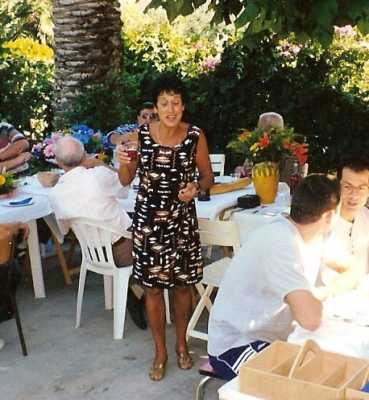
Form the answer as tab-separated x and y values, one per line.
182	310
155	309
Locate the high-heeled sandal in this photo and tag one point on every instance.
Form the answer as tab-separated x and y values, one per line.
184	360
157	371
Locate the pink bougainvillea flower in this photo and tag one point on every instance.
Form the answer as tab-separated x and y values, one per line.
55	136
49	151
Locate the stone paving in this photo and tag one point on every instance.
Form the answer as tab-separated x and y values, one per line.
86	363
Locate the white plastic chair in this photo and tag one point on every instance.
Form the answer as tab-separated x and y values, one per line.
220	233
217	163
95	239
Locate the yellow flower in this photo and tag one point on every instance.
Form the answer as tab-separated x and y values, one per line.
102	157
2	180
244	136
254	148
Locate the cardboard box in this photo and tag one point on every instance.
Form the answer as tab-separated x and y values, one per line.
285	371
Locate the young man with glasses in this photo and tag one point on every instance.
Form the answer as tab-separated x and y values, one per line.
346	260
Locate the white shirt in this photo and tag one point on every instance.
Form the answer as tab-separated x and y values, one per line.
348	244
90	193
250	304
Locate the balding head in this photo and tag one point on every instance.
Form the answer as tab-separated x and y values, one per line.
69	152
270	120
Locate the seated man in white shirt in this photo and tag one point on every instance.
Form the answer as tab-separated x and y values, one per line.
346	257
13	149
268	283
91	193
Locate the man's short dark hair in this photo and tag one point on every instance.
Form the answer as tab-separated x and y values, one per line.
356	162
315	195
147	104
170	83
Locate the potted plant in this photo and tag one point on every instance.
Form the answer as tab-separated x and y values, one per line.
7	184
266	148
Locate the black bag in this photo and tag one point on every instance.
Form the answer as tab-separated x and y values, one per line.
248	201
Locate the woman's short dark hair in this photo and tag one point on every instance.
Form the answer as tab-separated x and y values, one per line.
170	83
315	195
356	162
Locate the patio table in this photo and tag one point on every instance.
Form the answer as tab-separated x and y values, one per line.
29	214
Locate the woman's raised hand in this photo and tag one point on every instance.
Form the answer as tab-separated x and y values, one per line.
123	157
188	192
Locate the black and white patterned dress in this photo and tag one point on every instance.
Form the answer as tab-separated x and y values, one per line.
166	244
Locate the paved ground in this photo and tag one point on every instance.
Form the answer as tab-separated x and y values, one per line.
85	363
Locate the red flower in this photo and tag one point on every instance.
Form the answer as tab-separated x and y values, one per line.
300	151
264	141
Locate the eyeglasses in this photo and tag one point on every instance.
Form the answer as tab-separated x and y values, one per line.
347	187
151	116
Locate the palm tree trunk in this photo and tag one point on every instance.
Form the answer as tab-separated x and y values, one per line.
87	37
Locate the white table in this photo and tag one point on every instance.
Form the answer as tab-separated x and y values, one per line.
29	214
205	209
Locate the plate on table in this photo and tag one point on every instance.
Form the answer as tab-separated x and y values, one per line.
20	202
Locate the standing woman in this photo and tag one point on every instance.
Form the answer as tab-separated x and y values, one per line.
166	246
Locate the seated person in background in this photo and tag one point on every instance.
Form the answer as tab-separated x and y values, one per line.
8	232
93	193
127	132
266	121
270	120
13	149
263	292
346	257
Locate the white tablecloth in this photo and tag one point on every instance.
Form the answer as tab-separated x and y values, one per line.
30	187
205	209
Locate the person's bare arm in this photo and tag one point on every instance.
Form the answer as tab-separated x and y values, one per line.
203	163
16	161
117	139
14	149
206	173
127	166
305	308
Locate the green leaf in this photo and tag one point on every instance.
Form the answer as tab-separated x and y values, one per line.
363	26
247	15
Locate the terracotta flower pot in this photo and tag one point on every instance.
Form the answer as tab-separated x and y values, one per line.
265	176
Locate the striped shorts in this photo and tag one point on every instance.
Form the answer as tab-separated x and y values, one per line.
227	365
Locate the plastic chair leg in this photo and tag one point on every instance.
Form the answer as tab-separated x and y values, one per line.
108	292
81	288
203	302
120	292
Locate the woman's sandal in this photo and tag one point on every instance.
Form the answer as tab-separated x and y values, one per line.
184	360
157	371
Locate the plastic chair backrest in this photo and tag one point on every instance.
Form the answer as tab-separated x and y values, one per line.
219	233
95	239
217	163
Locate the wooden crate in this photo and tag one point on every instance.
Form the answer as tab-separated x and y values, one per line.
284	371
219	188
353	388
